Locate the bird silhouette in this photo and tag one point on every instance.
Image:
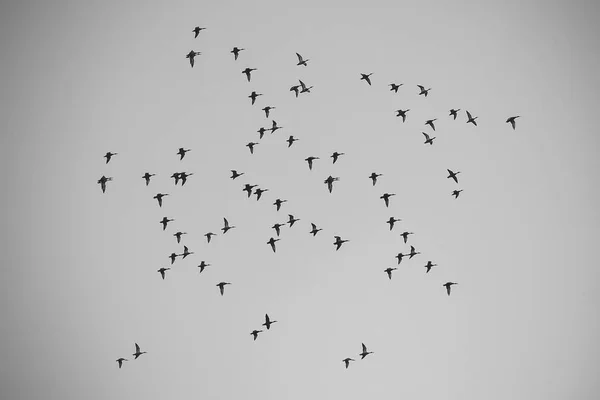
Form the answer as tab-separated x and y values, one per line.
430	123
159	197
248	71
455	193
102	181
389	271
335	156
292	220
138	352
386	198
203	265
255	333
254	95
173	257
191	55
261	132
424	91
413	252
448	285
236	52
181	152
428	139
314	230
147	177
338	242
290	141
329	181
178	236
374	177
512	121
301	61
176	177
277	228
394	87
162	272
392	221
248	189
221	286
109	156
295	89
310	160
402	113
471	119
251	146
305	89
209	235
274	127
196	31
186	252
366	77
165	221
278	203
235	174
267	110
429	265
183	176
454	113
364	352
453	175
226	226
400	256
120	361
258	192
268	322
347	361
405	235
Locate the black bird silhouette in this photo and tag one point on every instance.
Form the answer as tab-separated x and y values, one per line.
291	220
278	203
182	152
247	71
305	89
295	89
191	56
424	91
173	257
454	113
251	146
429	265
258	192
267	109
183	176
196	31
290	141
428	139
301	61
102	181
413	252
162	272
178	236
402	113
405	235
366	77
389	271
277	228
339	242
310	160
120	361
329	181
261	132
254	95
336	155
471	119
226	226
165	221
314	230
236	52
186	252
455	193
159	197
400	256
364	352
176	176
394	87
392	221
386	198
248	188
430	123
221	286
203	265
272	243
268	322
147	177
235	174
448	285
453	175
512	121
138	352
109	155
374	177
347	361
274	127
255	333
209	235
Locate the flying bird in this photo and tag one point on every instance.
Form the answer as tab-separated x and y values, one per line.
221	286
102	181
261	132
236	52
277	228
453	175
405	235
428	139
247	71
430	123
147	177
314	230
347	361
274	126
272	243
339	242
413	252
392	221
366	78
429	265
183	176
402	113
278	203
310	160
162	272
336	155
196	31
109	155
386	198
364	352
248	189
295	89
471	119
424	91
165	221
400	256
301	61
209	235
235	174
159	197
290	141
454	113
186	252
305	89
203	265
191	56
120	361
374	177
268	322
254	95
226	226
291	220
512	121
394	87
255	333
267	109
389	271
258	192
329	181
138	352
455	193
173	257
251	146
448	285
178	236
176	176
182	152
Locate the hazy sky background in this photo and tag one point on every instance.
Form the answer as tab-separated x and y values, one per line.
79	283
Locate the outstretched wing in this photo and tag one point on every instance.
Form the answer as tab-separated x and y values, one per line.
226	222
364	348
426	136
299	58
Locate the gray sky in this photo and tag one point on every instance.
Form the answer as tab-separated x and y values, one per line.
79	282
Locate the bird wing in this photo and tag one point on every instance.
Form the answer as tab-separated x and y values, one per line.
313	226
364	348
137	348
512	122
226	222
421	87
426	136
302	84
448	289
469	115
299	58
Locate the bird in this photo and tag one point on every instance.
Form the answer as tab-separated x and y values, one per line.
147	177
454	113
292	220
226	226
455	193
314	230
402	113
251	146
374	177
471	119
165	221
248	189
339	242
209	235
329	181
235	174
405	235
364	352
310	160
254	95
512	121
203	265
274	127
196	31
386	198
301	61
428	139
277	228
120	361
430	123
305	89
258	192
366	78
173	257
400	256
295	89
429	265
290	141
391	221
138	352
268	322
255	333
335	156
183	176
102	181
176	177
236	52
221	286
278	203
109	155
389	271
261	132
448	285
178	236
453	175
191	56
247	71
272	243
424	91
159	197
186	252
347	361
413	252
182	152
162	272
267	109
394	87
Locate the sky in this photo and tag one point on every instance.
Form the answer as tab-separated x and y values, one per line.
80	284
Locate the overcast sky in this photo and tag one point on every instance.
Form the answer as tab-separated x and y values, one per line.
80	284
